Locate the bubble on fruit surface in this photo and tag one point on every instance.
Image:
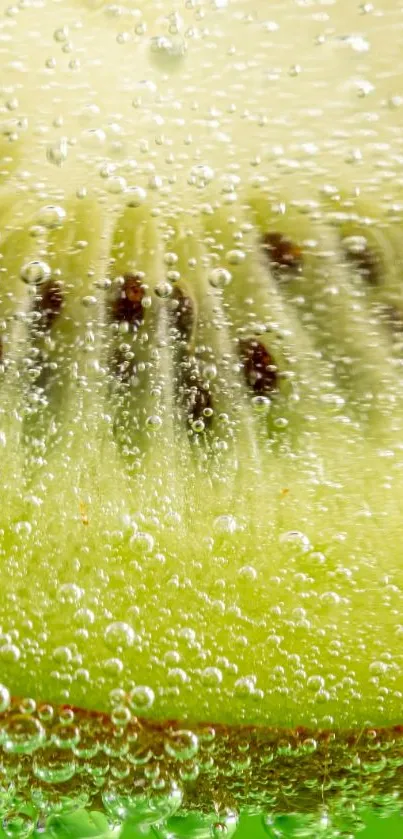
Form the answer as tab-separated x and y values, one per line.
56	153
163	290
84	617
154	422
135	196
235	256
141	698
116	184
298	826
177	676
93	138
51	216
211	677
22	735
225	826
181	744
220	277
244	687
18	824
9	653
119	635
69	593
54	766
144	808
315	683
295	538
201	175
248	573
167	53
35	272
4	698
66	735
225	523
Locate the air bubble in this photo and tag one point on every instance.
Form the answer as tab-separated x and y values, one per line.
22	734
11	128
69	593
296	538
198	426
65	735
23	528
378	667
89	300
167	53
315	683
201	175
10	653
244	687
62	655
225	524
141	698
170	258
51	216
119	635
220	277
143	540
163	290
141	807
261	404
153	422
116	185
35	272
55	768
211	677
181	745
84	617
248	572
61	34
121	716
92	138
177	676
113	666
4	699
17	825
235	257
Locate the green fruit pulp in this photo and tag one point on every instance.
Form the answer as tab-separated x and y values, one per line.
249	572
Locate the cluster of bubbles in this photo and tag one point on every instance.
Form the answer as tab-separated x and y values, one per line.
58	762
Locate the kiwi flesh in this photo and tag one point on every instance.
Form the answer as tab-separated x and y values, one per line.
201	414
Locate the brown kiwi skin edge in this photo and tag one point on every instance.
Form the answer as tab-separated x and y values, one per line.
310	767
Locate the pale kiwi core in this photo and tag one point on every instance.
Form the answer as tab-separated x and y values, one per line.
250	572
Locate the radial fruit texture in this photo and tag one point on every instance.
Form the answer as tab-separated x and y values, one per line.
201	414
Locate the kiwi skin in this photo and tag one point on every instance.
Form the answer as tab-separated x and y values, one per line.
306	421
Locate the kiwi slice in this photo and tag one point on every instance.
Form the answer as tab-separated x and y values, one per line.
201	417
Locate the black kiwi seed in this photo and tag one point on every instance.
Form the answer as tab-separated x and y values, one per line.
260	370
127	306
364	259
284	255
49	303
392	317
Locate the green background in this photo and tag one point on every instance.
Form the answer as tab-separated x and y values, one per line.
89	825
